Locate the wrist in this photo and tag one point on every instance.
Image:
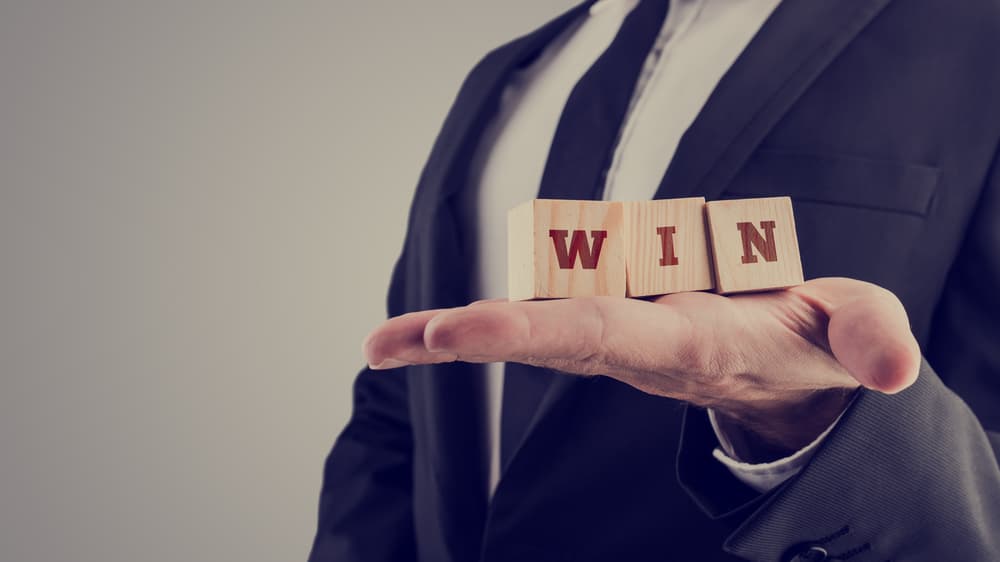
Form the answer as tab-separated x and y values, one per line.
778	428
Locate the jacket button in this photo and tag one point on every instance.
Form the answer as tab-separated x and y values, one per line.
812	554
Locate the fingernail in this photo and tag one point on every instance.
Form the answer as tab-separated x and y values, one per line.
389	363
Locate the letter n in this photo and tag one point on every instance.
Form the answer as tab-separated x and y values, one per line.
753	239
589	256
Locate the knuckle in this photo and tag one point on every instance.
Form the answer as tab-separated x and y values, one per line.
703	356
591	337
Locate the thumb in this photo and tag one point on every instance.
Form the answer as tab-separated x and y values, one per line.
869	332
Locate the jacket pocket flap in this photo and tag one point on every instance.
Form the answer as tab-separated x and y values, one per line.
884	185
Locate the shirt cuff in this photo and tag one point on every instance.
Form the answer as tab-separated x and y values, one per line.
764	477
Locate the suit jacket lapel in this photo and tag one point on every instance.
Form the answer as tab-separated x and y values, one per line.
790	51
479	98
438	269
446	173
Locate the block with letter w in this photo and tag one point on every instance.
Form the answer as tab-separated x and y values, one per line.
559	248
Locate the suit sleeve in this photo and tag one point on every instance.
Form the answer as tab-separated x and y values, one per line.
965	342
365	506
913	476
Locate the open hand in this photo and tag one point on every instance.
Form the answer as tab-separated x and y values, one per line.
779	364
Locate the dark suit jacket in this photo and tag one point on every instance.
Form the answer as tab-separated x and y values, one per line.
881	119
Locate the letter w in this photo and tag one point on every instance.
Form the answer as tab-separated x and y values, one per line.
589	256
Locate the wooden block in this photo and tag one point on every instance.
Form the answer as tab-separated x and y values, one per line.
666	247
558	248
754	244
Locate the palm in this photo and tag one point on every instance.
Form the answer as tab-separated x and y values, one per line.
827	333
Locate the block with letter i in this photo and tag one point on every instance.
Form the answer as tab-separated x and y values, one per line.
562	248
754	244
666	247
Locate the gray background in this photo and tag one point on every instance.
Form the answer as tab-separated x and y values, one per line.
200	203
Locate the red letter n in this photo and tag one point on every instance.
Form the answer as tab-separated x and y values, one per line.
764	244
578	247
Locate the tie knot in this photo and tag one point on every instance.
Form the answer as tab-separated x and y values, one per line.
592	117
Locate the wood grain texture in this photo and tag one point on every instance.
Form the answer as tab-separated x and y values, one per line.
666	247
754	245
560	249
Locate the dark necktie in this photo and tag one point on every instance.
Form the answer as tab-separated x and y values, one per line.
580	154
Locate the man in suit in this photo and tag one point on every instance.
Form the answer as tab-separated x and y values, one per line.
853	417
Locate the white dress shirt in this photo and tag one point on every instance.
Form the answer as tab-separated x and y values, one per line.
699	41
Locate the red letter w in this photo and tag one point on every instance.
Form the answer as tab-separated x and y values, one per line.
578	247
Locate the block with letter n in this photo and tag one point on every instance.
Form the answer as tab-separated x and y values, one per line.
562	248
754	244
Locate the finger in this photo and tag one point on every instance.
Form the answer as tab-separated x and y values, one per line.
399	341
486	301
518	331
869	333
870	336
592	335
